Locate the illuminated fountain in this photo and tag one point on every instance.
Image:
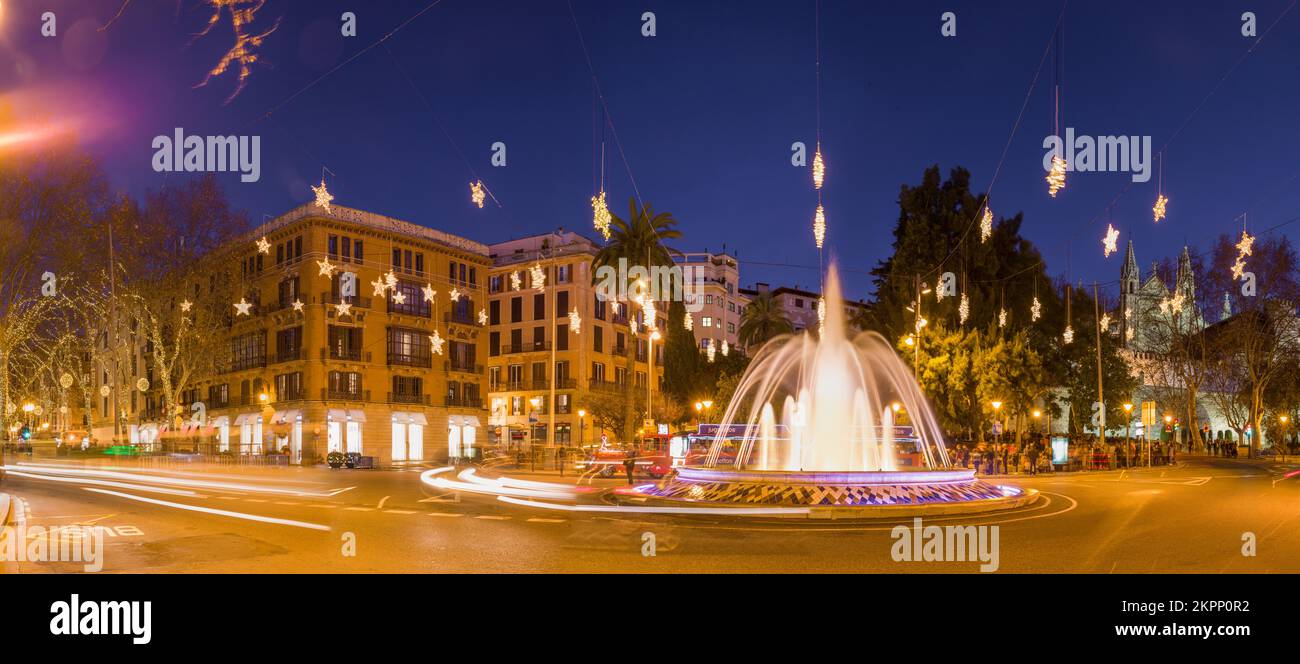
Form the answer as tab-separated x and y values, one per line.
833	422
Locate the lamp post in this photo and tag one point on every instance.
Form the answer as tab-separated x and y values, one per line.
1283	419
1128	422
997	408
582	417
1168	420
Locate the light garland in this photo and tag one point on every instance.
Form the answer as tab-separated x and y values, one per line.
436	341
710	351
477	193
537	277
1110	243
1002	318
1068	335
963	309
819	226
1056	176
819	168
323	196
689	322
482	317
242	307
1159	209
1035	310
600	217
326	268
986	224
516	282
575	321
263	246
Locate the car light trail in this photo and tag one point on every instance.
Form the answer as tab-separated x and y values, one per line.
632	509
170	481
209	510
119	485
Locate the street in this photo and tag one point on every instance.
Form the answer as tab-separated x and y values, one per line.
1190	518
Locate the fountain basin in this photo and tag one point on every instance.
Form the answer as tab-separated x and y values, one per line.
841	494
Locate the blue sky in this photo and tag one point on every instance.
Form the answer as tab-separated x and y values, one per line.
705	110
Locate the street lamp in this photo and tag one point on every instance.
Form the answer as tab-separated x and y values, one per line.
1128	422
1283	419
997	407
582	416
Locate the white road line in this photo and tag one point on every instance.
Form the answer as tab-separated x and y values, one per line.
489	517
118	485
537	520
209	510
360	509
382	501
399	512
286	502
447	514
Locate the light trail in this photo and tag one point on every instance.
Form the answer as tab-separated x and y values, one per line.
170	481
119	485
472	483
631	509
209	510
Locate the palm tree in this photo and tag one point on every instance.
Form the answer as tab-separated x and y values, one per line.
638	240
763	320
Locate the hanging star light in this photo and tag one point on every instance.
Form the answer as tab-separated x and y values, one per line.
1002	317
1111	241
819	168
516	282
1238	268
631	324
242	307
242	55
725	347
323	196
986	224
263	246
710	351
1068	336
689	322
963	309
1244	248
343	308
537	277
297	305
1056	177
477	193
648	312
454	295
600	217
379	287
1105	323
399	297
428	292
575	321
1036	310
819	226
1159	209
186	305
326	268
482	317
436	341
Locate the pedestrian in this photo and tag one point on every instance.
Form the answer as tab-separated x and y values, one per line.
629	464
1033	458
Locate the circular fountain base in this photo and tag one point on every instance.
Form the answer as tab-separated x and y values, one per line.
865	494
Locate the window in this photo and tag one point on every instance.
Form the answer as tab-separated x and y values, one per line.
563	274
516	309
597	339
494	312
334	245
419	263
288	387
562	303
798	302
344	384
218	396
731	328
413	303
539	306
288	291
494	284
345	342
288	344
597	372
494	344
347	248
408	347
562	337
248	351
407	389
598	311
706	321
539	338
516	377
473	276
356	251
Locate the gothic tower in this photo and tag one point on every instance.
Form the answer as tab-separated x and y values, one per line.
1129	280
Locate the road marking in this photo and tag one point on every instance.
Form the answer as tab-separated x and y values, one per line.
537	520
382	501
286	502
227	498
360	509
437	499
209	510
256	500
489	517
324	505
450	514
399	511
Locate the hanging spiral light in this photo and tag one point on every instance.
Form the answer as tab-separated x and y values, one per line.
819	168
1159	209
1036	309
600	217
477	193
986	224
819	226
1056	177
963	309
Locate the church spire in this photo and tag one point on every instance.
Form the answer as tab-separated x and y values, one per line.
1184	284
1130	269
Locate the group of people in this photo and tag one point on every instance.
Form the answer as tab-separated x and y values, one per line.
1030	457
1033	455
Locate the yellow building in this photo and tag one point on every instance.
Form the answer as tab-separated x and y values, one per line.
535	357
312	369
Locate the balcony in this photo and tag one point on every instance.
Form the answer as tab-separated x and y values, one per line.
398	360
344	395
539	384
464	402
345	354
289	355
618	350
534	347
566	384
411	307
461	318
418	399
605	385
292	395
245	363
450	366
357	301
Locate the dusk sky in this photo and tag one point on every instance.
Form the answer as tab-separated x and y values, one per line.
706	112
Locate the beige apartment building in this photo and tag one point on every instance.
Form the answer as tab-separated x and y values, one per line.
311	369
716	303
545	364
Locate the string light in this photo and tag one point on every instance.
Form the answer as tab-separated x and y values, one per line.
1035	310
821	315
1068	336
477	193
343	308
537	277
710	351
516	282
819	226
575	321
963	309
600	217
436	341
1159	209
482	317
1056	177
326	268
1105	323
1110	243
986	224
1002	318
323	196
263	246
242	307
689	322
938	290
819	168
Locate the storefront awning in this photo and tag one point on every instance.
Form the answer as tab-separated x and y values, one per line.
419	418
286	416
242	417
472	421
340	415
222	421
357	415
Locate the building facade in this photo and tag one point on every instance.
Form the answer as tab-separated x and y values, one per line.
334	344
715	301
799	305
555	346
